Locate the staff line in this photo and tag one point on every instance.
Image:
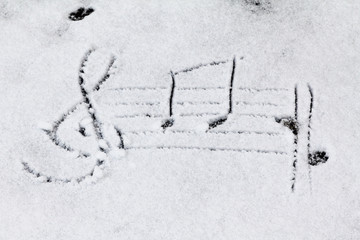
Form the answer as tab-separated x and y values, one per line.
197	88
212	149
238	132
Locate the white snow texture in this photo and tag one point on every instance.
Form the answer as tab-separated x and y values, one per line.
203	119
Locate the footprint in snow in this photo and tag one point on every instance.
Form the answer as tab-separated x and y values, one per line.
80	14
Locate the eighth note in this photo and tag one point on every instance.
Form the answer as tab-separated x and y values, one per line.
221	120
170	121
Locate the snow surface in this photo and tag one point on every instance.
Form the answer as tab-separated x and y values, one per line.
111	171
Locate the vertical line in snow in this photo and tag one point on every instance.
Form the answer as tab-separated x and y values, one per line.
231	86
121	143
171	93
296	137
309	133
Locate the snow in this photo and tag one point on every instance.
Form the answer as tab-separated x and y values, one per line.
108	169
85	121
117	154
103	144
100	155
97	173
45	126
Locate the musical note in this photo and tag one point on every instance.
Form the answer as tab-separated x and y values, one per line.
221	120
313	158
170	121
171	137
97	126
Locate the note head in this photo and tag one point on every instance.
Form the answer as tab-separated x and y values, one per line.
166	123
317	157
290	123
217	121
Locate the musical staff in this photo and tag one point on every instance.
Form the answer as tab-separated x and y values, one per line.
195	116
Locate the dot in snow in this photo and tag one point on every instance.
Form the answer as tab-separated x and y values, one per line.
80	14
317	157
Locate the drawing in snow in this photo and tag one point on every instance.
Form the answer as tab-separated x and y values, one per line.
190	113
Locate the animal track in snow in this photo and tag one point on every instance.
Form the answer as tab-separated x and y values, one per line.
80	14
